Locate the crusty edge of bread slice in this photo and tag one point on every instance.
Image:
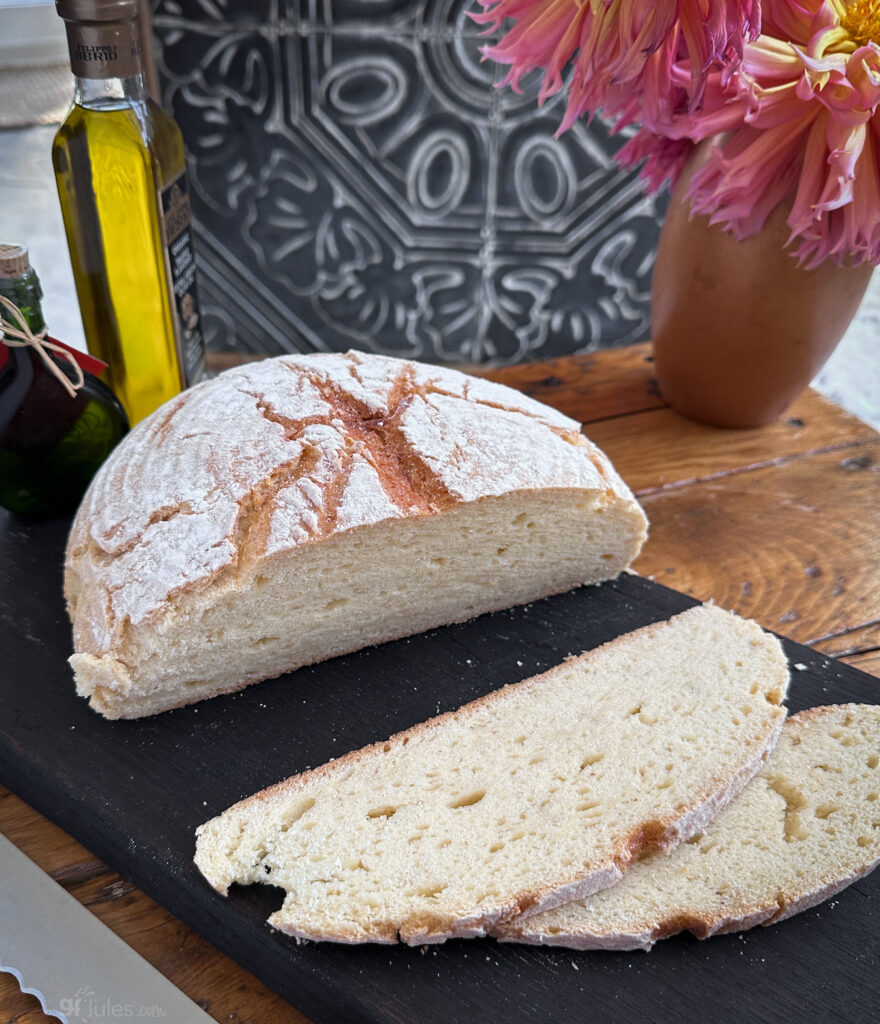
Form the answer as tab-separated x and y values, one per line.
702	926
653	835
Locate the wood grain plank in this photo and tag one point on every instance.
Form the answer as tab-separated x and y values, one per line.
217	362
861	640
18	1008
596	386
794	546
659	448
223	989
857	647
54	850
867	661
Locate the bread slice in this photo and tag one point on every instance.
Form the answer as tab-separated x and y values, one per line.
536	794
803	829
306	506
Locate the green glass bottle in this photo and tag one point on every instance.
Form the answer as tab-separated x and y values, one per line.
51	444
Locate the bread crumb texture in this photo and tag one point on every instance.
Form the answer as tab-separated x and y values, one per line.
539	793
804	828
240	530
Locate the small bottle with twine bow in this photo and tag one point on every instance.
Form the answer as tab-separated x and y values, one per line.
58	422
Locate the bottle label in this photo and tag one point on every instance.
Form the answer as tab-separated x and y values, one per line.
182	275
104	50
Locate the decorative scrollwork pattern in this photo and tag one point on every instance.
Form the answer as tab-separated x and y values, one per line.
359	181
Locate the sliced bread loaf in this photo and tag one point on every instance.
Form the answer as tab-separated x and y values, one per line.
306	506
804	828
536	794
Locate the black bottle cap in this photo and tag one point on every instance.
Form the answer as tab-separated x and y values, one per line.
97	10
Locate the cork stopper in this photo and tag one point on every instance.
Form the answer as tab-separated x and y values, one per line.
14	260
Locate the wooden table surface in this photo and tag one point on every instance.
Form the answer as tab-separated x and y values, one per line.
778	523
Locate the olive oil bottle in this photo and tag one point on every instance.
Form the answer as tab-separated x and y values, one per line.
120	170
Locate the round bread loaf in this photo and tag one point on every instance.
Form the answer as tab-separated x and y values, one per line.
306	506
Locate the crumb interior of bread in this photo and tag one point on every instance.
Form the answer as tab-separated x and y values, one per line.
561	779
807	823
366	586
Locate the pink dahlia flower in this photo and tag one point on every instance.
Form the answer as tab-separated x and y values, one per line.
622	51
801	122
662	158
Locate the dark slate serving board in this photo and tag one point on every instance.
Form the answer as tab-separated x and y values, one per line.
133	792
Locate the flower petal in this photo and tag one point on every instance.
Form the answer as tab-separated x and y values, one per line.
610	45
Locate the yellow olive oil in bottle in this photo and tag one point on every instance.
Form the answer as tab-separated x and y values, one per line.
120	169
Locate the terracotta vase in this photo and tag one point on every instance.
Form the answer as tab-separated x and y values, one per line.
739	329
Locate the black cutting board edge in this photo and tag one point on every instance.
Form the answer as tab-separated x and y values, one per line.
132	792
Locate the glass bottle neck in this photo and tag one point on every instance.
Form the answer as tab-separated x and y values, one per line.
107	93
25	292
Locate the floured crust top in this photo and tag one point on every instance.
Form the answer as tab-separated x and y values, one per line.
289	451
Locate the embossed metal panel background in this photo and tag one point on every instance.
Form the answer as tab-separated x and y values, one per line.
359	182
